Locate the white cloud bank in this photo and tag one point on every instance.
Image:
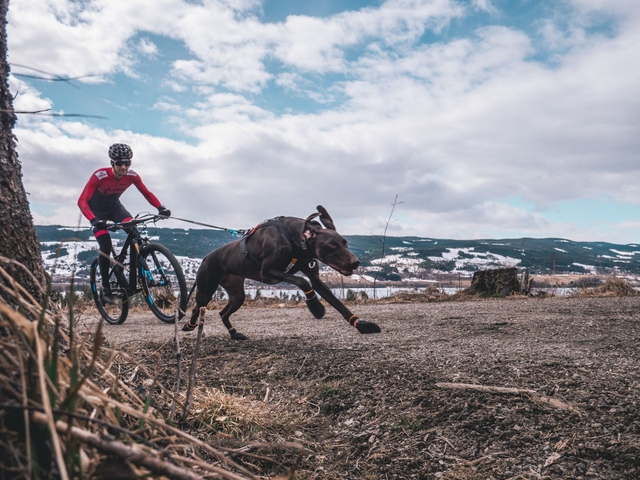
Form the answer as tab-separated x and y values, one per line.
456	128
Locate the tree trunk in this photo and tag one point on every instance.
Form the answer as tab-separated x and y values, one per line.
18	239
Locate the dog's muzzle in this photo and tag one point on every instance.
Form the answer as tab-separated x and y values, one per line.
348	270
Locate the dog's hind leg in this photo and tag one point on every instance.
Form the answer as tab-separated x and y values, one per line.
234	285
204	293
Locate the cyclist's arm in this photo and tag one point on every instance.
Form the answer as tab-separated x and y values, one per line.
151	198
85	196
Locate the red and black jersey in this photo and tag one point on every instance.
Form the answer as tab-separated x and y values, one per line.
102	191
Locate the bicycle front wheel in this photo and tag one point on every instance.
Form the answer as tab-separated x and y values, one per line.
114	313
163	284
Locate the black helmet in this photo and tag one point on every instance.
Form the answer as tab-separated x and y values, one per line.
120	151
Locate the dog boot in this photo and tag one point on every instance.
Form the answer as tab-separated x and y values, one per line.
236	335
363	326
314	305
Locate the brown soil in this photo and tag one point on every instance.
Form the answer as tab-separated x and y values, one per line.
369	407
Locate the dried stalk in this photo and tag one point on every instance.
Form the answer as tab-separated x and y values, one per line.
179	372
132	453
33	277
194	360
535	396
48	416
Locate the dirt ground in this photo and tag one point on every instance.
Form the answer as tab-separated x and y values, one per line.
370	407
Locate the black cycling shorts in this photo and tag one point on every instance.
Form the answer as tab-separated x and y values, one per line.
115	213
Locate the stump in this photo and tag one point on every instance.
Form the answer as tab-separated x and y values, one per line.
499	281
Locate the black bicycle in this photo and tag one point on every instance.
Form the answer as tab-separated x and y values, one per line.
141	266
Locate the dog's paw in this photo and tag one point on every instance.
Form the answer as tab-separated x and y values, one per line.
188	328
367	327
238	336
315	307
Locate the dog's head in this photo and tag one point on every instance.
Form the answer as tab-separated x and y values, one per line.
327	244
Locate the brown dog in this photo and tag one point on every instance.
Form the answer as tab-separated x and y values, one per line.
272	253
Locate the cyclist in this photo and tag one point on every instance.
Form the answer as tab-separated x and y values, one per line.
100	201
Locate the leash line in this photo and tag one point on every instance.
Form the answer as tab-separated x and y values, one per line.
230	230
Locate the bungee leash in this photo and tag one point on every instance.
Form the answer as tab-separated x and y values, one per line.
230	230
239	232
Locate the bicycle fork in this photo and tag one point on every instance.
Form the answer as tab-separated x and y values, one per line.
144	271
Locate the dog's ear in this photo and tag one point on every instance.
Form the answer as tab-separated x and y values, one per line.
325	218
310	227
311	217
310	230
308	233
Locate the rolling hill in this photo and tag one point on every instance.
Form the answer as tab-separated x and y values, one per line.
72	250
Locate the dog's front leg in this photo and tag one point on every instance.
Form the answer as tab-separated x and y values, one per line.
361	325
313	302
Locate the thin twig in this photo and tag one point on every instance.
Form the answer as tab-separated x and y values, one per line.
194	360
86	418
302	365
535	396
179	373
384	239
132	453
48	416
25	403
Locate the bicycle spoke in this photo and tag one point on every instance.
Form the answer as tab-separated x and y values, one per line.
162	277
114	312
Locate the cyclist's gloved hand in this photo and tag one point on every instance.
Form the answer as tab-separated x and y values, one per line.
164	211
98	224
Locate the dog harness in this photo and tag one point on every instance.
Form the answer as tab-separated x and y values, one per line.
278	222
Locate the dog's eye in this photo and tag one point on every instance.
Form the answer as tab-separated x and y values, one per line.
333	245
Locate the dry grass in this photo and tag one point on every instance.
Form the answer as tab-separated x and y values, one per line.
612	287
428	295
67	412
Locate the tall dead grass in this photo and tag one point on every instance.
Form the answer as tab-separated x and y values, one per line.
67	412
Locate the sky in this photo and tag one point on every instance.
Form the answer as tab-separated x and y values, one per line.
478	118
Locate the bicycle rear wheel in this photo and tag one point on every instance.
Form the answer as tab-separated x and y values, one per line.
113	313
163	284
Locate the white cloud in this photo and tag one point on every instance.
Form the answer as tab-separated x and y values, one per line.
453	127
484	5
147	48
318	44
229	41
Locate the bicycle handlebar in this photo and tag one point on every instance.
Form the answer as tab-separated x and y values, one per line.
113	226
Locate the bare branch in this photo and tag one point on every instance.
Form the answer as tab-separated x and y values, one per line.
384	239
535	396
51	77
48	113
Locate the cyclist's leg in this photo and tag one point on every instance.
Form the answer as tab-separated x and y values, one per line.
104	240
120	214
104	262
116	214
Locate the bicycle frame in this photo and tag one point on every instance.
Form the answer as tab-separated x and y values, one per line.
132	248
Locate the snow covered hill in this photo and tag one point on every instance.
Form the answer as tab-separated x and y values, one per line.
66	251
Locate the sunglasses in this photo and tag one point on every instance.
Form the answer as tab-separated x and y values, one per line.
119	163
